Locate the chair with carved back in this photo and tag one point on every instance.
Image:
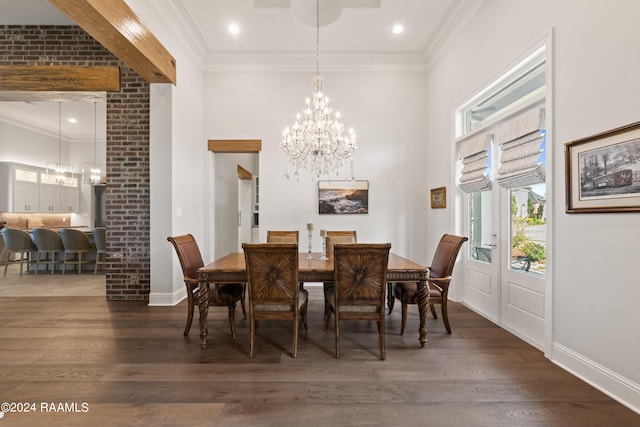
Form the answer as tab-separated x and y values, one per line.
288	236
272	285
333	237
439	279
359	287
227	294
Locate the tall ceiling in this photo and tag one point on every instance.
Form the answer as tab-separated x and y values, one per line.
354	34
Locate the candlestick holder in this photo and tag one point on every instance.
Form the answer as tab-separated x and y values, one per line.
309	230
323	236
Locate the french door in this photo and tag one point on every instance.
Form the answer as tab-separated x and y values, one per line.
505	259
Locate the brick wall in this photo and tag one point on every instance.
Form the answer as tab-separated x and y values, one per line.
128	207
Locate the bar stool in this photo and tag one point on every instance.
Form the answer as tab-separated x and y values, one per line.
77	244
48	243
18	242
99	239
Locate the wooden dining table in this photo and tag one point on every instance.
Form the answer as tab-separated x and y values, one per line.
231	269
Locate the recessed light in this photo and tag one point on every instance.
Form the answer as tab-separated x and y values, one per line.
234	29
73	120
397	29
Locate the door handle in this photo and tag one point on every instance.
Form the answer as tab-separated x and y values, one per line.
494	241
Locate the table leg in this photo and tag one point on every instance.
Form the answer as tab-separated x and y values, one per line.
423	302
203	307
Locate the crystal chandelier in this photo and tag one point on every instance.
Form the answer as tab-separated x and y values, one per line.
91	170
317	141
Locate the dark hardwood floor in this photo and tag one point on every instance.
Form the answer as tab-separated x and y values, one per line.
85	361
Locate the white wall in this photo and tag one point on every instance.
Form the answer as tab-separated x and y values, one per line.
388	112
596	89
178	158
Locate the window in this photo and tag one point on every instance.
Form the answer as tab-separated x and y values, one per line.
507	118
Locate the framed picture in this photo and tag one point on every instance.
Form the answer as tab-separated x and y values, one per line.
343	197
439	198
603	172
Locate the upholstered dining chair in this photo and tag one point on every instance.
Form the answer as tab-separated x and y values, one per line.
49	244
100	240
221	294
275	236
333	237
77	248
272	285
359	286
18	242
439	279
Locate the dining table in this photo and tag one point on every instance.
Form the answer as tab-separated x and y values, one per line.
231	269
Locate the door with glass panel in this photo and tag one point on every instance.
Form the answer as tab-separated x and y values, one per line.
502	174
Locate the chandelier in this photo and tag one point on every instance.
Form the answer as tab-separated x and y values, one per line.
317	141
58	172
91	170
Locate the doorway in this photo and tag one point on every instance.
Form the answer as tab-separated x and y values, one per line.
503	175
236	166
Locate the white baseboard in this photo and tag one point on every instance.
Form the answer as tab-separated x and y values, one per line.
167	299
610	383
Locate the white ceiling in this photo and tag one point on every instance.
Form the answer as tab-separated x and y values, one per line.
272	34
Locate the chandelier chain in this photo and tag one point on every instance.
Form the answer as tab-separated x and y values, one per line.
317	141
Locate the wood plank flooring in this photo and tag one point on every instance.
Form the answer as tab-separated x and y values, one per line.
127	364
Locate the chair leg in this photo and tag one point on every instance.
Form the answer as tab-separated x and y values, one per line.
390	297
252	336
6	264
242	303
303	313
53	262
232	315
37	263
433	311
404	317
295	336
22	263
337	324
445	316
79	262
383	355
190	302
327	317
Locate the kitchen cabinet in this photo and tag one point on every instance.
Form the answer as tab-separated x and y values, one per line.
30	189
21	191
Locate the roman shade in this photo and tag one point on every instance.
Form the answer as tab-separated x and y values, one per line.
520	140
475	154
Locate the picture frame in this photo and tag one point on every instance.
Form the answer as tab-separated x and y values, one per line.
343	197
439	198
603	172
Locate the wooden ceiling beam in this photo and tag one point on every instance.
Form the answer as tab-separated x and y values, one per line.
53	78
235	145
114	25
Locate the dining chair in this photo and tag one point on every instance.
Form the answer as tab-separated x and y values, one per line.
221	294
77	248
18	242
274	236
100	240
359	286
438	281
333	237
49	244
272	285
